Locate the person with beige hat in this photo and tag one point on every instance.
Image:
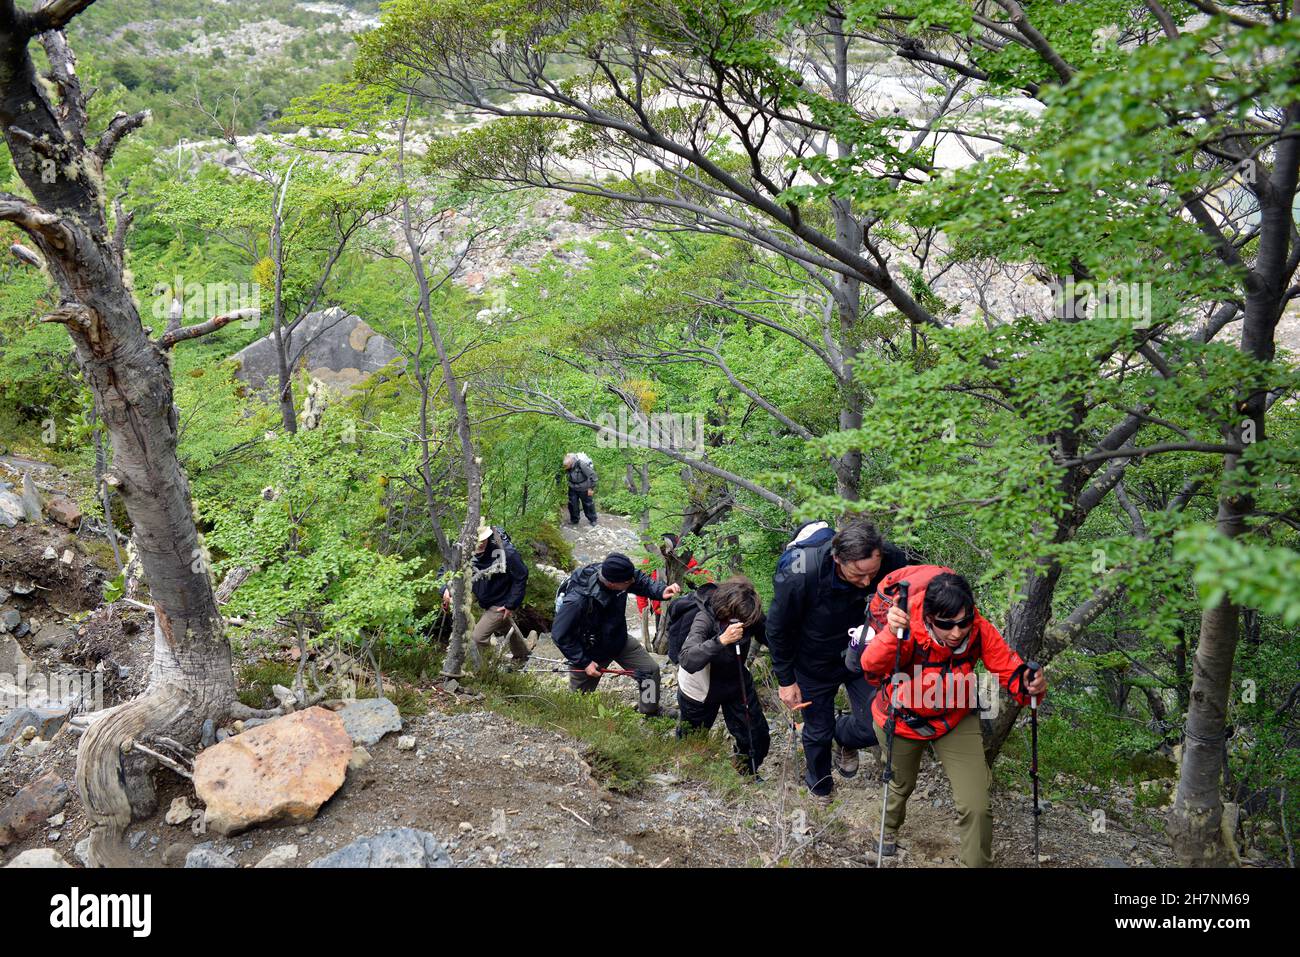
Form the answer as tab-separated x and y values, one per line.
498	578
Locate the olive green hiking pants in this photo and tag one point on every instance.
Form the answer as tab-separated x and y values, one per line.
961	751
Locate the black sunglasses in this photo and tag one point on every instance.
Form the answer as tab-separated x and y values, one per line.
946	623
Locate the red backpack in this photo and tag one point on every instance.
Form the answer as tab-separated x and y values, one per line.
917	577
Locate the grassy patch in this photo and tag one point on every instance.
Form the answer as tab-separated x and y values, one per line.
413	661
256	679
411	701
623	748
1086	745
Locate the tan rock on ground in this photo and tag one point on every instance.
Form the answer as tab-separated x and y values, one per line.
282	771
64	511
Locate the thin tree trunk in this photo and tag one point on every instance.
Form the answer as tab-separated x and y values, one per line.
281	336
1196	819
848	293
105	492
463	552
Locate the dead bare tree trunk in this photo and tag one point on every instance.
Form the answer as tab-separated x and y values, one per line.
637	480
105	492
191	678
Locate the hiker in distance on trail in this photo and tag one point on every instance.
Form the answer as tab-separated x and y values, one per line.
590	627
935	697
581	477
709	636
822	584
498	578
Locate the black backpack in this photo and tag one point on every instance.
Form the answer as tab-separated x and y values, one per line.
581	585
579	582
681	613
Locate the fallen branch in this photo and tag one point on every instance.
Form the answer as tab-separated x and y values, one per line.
577	815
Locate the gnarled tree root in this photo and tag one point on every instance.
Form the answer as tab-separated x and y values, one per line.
114	780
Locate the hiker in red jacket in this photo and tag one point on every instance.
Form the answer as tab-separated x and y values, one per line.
936	696
670	544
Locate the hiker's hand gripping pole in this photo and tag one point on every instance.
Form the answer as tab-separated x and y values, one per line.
888	776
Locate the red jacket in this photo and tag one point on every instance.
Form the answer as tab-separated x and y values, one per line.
932	706
692	568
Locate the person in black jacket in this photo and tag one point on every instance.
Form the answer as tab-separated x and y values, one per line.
713	675
498	580
819	596
581	477
590	627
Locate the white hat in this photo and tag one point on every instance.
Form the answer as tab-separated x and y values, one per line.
484	533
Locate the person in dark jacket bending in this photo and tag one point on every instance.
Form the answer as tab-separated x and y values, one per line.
713	675
817	598
498	579
590	627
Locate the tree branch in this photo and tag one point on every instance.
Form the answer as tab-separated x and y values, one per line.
1210	447
55	15
180	334
1037	40
551	406
121	126
36	222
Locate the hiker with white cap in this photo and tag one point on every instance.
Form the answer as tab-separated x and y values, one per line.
581	476
498	577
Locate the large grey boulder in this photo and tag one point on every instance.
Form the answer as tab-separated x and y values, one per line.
400	847
341	350
368	720
11	509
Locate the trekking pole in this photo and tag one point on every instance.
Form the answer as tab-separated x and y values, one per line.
566	671
795	726
554	661
889	725
1031	670
744	700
